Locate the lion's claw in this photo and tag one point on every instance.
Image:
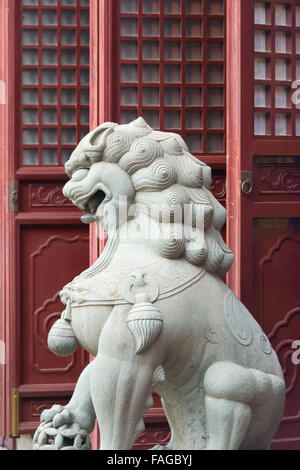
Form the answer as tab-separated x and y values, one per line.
59	426
48	415
65	417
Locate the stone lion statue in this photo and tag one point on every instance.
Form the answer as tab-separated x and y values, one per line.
153	309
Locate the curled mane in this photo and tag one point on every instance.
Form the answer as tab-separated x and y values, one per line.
165	174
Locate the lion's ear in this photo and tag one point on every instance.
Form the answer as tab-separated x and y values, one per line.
96	143
90	149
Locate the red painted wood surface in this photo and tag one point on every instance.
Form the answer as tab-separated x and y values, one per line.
43	243
54	80
234	131
263	226
171	69
40	248
51	255
9	289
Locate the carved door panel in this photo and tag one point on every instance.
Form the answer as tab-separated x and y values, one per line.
50	256
263	205
275	295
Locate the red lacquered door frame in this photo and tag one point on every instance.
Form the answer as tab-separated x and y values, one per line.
9	331
234	130
101	82
101	104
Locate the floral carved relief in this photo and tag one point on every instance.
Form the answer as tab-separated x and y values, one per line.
278	179
47	195
218	188
152	437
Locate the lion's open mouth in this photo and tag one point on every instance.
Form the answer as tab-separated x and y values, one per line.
92	205
94	202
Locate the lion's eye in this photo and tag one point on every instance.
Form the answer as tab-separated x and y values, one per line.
78	175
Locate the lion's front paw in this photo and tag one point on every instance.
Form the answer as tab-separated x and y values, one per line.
48	415
64	417
63	429
69	416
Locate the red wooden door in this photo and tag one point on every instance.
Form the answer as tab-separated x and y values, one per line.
164	60
264	180
45	71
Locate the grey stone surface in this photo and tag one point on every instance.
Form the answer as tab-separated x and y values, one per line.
153	308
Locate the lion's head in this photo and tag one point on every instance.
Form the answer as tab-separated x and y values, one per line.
150	168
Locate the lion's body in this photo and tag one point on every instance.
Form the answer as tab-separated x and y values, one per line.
190	346
154	310
205	334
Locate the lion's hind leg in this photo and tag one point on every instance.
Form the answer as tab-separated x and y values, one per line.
267	411
241	407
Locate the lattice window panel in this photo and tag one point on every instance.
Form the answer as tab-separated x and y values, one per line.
172	68
55	79
276	66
